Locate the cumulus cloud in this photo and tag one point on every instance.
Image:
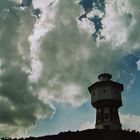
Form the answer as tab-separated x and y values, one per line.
20	107
71	59
87	125
138	65
70	56
130	121
44	24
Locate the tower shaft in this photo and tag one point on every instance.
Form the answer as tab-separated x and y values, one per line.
107	118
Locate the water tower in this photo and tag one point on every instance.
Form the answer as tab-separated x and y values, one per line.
106	98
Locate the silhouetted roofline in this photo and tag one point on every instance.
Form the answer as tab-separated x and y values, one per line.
104	83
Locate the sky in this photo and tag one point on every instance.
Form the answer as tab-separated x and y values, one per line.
52	50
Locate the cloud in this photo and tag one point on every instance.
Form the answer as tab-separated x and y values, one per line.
70	56
130	121
44	24
20	107
87	125
71	59
138	65
94	11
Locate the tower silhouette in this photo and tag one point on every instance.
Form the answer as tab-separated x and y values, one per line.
106	98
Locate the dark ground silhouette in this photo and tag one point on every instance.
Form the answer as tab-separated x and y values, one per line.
91	134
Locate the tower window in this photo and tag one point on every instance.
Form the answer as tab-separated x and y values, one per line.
115	115
98	115
116	91
104	91
106	126
106	115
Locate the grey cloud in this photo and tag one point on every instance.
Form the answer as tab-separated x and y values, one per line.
20	107
96	19
70	56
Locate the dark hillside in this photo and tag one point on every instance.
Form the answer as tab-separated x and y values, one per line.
92	134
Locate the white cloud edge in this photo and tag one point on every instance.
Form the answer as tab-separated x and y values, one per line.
128	121
138	65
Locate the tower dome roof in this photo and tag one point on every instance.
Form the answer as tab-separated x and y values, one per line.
104	77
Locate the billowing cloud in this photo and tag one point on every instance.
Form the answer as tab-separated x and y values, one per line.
128	121
131	122
20	107
87	125
138	65
70	56
94	11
